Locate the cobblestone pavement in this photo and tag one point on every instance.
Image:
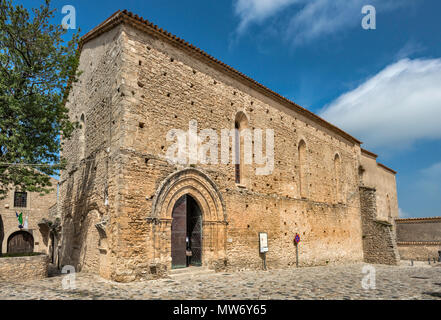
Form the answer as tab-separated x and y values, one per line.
331	282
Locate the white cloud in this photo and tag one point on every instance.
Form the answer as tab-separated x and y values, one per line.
312	19
434	171
429	182
323	17
403	214
395	108
410	48
256	11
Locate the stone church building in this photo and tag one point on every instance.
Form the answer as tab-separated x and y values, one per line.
129	213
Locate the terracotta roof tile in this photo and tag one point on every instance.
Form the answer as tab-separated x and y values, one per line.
410	220
369	153
419	243
386	168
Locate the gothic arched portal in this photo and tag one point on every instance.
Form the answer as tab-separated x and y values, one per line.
189	196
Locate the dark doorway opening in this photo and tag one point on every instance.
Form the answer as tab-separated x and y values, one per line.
194	232
52	247
186	233
21	242
2	233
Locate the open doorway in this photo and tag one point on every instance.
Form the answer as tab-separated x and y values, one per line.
186	233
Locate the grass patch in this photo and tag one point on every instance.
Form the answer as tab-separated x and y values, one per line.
14	255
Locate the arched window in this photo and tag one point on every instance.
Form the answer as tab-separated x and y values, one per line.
361	171
240	123
337	178
389	209
302	169
82	138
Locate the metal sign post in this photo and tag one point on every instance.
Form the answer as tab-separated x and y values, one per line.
263	246
296	242
264	261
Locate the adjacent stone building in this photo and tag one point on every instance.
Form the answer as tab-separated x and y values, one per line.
419	238
129	213
38	212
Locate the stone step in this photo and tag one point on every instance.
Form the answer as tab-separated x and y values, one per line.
189	272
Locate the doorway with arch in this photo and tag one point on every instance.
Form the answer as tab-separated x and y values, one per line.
20	242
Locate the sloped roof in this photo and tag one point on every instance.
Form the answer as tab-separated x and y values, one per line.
386	168
369	153
147	26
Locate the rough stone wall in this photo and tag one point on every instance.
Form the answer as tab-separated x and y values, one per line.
419	238
419	230
164	89
22	269
37	208
135	87
419	251
379	240
89	185
375	176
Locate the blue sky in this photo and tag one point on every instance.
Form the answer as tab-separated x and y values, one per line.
383	86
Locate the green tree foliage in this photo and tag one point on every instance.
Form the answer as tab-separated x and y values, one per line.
37	69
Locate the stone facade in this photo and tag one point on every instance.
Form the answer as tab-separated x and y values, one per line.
379	238
118	192
37	208
419	238
382	179
22	269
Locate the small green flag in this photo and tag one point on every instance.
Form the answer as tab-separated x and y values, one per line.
20	218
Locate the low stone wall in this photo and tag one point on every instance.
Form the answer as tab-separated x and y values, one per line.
419	229
419	251
419	238
379	241
21	269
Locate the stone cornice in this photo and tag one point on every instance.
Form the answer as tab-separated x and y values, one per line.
419	243
418	220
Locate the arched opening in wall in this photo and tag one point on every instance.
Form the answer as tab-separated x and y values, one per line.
82	137
389	209
103	247
52	246
210	209
302	169
21	242
240	124
337	178
361	171
186	233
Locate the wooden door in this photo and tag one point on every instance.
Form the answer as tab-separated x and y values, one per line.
21	242
179	234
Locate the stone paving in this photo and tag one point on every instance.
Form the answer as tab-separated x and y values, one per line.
331	282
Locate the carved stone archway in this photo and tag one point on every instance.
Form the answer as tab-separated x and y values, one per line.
204	191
